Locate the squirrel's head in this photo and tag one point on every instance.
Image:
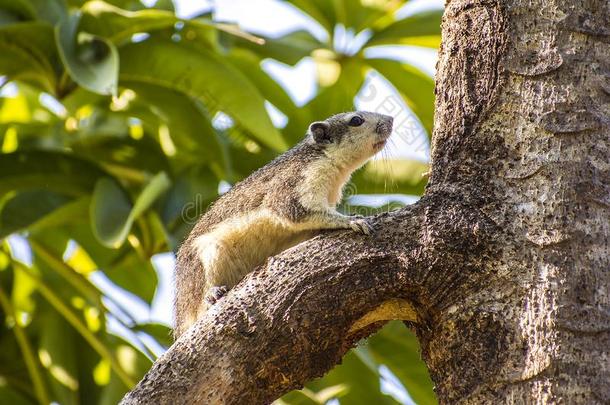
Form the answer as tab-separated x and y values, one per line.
351	137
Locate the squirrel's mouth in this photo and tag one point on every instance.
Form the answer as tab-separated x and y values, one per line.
377	146
383	129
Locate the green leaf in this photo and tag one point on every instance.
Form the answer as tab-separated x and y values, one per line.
190	195
397	348
187	122
13	397
289	48
334	391
249	64
56	350
92	61
165	5
201	74
296	397
29	54
339	96
116	24
77	323
59	172
133	5
333	99
124	266
395	176
13	11
360	15
117	153
112	213
416	87
102	256
13	361
25	208
244	162
161	333
157	186
51	258
27	351
23	294
51	11
421	29
322	11
361	381
134	274
76	211
132	360
306	396
7	18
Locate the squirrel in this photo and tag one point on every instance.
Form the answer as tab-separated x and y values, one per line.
275	208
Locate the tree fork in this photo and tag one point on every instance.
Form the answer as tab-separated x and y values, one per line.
503	265
294	319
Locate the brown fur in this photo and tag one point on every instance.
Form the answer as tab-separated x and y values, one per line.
273	209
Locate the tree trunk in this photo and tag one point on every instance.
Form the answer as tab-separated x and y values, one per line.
502	268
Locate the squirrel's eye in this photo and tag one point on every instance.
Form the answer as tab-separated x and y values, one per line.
356	121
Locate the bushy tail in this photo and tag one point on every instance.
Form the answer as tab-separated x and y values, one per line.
189	282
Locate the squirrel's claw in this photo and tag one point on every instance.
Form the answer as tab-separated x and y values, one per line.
361	225
215	293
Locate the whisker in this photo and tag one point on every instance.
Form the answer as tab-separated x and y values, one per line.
388	167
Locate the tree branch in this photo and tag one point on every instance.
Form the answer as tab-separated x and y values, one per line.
293	319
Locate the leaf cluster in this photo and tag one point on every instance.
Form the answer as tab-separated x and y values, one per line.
118	124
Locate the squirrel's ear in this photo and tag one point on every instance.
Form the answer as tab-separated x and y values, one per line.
319	131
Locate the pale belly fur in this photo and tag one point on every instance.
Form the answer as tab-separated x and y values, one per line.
234	248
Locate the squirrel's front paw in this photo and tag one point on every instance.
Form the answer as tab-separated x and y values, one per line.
215	293
361	225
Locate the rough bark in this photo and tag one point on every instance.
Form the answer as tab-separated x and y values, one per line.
503	267
523	120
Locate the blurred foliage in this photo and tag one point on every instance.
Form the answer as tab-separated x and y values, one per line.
124	121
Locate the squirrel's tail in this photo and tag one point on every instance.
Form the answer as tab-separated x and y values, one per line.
189	283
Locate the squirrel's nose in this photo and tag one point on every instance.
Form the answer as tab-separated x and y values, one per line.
387	119
384	125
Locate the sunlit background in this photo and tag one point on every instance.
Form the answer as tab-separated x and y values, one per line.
273	19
